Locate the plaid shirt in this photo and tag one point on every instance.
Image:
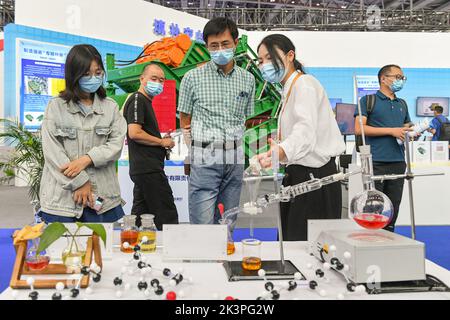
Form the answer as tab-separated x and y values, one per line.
219	103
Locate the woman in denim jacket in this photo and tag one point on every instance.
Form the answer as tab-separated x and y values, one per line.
82	137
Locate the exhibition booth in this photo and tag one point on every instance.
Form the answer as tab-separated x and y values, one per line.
342	259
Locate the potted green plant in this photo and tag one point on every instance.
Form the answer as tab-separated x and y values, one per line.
73	254
27	160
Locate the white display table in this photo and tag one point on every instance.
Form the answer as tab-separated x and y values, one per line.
210	279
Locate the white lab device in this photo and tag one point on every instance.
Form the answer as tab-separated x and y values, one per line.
367	256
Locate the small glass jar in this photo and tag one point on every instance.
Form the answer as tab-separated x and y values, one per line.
129	233
74	253
36	260
148	229
251	253
230	242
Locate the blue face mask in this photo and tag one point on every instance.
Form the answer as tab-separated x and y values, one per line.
90	84
222	57
397	85
271	75
153	88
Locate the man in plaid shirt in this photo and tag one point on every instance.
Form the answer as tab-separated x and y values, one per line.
214	102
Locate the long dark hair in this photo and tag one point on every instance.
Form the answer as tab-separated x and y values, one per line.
274	41
78	63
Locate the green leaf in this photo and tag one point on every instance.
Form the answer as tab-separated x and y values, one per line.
52	233
9	172
98	228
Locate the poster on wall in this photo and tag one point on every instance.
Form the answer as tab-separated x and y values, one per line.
41	75
365	85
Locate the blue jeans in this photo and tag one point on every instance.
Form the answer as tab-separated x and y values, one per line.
211	184
89	215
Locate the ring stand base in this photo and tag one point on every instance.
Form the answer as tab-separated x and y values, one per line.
273	271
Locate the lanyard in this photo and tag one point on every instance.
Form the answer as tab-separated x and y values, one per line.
285	103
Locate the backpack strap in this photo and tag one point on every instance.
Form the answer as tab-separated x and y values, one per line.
370	103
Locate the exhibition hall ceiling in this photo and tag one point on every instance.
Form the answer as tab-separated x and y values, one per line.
436	5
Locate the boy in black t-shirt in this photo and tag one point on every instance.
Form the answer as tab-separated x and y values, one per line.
147	150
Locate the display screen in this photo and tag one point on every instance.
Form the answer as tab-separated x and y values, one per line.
345	118
424	105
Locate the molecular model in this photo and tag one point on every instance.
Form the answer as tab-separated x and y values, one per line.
93	270
148	283
274	293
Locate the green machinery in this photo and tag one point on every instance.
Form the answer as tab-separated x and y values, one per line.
267	97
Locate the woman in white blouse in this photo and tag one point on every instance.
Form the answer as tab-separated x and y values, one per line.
308	135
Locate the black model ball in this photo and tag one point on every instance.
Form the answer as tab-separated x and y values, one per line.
85	271
159	290
97	277
320	273
34	295
292	285
74	292
313	284
154	283
117	281
166	272
351	287
275	295
142	285
269	286
56	296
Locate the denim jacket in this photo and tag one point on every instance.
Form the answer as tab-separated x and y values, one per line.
67	134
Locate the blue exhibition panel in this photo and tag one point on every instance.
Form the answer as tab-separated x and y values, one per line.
14	32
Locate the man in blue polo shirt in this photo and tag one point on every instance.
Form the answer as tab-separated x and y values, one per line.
436	123
383	124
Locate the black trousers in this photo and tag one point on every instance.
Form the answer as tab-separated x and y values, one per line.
392	188
152	194
325	203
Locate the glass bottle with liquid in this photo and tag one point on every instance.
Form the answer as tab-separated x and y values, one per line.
230	242
129	233
148	229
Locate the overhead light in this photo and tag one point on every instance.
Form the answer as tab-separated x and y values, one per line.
292	2
343	7
317	4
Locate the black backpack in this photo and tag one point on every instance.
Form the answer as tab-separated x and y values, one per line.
444	135
370	104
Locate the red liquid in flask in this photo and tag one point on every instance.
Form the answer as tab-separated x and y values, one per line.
37	263
371	221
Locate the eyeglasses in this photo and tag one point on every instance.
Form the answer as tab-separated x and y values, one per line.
216	46
397	76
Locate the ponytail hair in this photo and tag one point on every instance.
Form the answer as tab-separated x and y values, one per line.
279	41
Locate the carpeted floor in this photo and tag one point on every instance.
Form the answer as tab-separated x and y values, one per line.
436	239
